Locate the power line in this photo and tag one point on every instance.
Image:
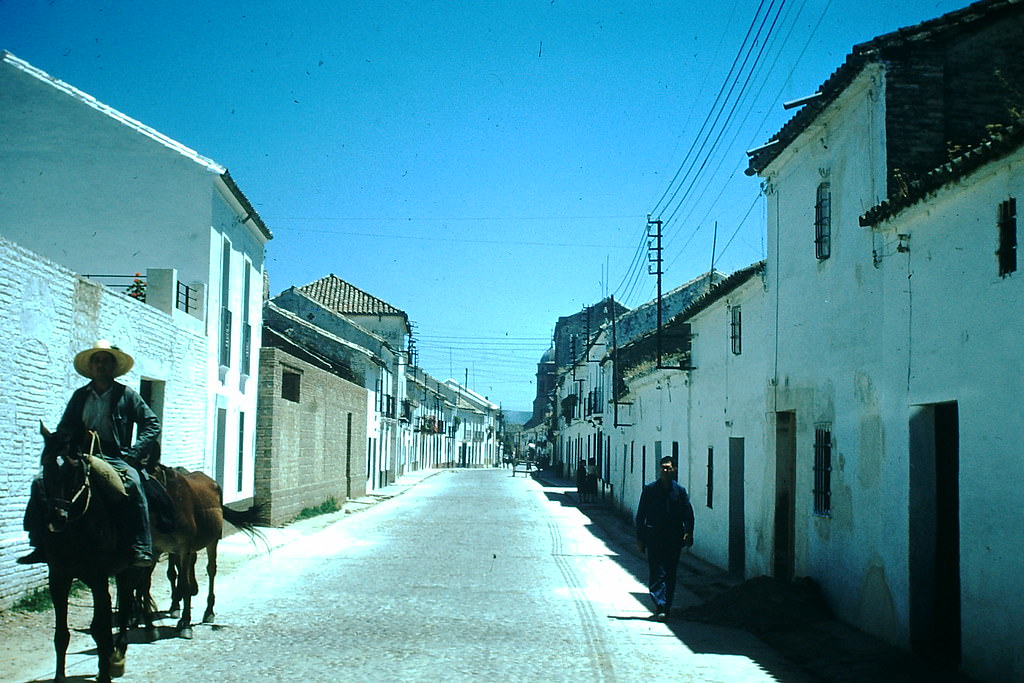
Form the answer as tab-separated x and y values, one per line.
778	94
709	129
721	90
733	108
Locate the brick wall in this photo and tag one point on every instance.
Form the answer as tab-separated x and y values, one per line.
303	455
48	314
944	94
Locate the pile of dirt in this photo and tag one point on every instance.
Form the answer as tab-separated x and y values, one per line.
764	604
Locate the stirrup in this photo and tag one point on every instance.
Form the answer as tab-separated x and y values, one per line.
37	555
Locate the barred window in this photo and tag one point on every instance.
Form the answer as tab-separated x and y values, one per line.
1007	252
736	330
823	222
823	469
711	476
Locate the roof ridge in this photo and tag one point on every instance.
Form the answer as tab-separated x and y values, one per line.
332	291
121	117
1001	140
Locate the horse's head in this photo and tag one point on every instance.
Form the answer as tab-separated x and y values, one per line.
65	479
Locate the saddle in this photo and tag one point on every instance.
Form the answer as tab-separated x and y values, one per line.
161	508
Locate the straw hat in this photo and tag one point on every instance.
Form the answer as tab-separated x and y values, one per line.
123	362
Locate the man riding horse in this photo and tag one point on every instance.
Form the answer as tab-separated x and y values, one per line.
111	410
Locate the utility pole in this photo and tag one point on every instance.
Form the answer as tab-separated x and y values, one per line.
714	245
654	261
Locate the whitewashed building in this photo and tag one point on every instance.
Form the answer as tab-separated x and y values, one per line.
704	406
475	428
896	374
109	197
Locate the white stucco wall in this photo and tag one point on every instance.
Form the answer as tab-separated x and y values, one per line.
954	327
82	181
727	400
234	386
828	370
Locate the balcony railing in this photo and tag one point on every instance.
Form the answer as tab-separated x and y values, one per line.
132	285
187	299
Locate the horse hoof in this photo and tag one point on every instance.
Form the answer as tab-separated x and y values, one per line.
118	664
208	618
186	633
174	613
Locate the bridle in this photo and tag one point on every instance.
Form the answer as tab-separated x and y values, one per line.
85	490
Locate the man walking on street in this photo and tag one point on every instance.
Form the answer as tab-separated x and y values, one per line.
664	526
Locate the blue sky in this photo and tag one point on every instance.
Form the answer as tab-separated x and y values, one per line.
484	166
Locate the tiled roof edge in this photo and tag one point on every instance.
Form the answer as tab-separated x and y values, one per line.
1000	143
861	55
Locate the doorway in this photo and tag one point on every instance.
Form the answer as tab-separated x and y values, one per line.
785	506
934	543
737	526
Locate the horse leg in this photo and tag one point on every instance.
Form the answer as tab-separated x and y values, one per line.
145	601
211	573
60	587
172	576
187	587
128	582
101	623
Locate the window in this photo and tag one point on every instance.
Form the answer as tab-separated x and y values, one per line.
1007	251
823	469
735	330
220	450
823	222
711	476
246	324
686	339
656	464
241	451
290	382
225	313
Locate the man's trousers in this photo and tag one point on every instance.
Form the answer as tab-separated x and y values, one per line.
662	561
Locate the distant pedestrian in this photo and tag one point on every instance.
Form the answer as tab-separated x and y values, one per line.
592	480
581	480
664	526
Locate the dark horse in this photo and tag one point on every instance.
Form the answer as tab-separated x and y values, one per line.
198	521
83	540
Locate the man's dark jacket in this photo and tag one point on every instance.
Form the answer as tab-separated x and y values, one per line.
664	514
126	410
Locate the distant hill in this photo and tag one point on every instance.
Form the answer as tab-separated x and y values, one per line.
517	417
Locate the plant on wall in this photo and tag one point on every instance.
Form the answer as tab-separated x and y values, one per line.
137	289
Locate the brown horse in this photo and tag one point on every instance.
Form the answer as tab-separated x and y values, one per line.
83	540
199	517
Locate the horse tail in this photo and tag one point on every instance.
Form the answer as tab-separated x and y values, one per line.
247	521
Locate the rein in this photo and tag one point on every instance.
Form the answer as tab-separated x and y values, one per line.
86	487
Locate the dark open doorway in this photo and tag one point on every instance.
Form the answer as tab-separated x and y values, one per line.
785	505
934	543
737	526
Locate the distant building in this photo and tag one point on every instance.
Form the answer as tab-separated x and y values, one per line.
345	311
